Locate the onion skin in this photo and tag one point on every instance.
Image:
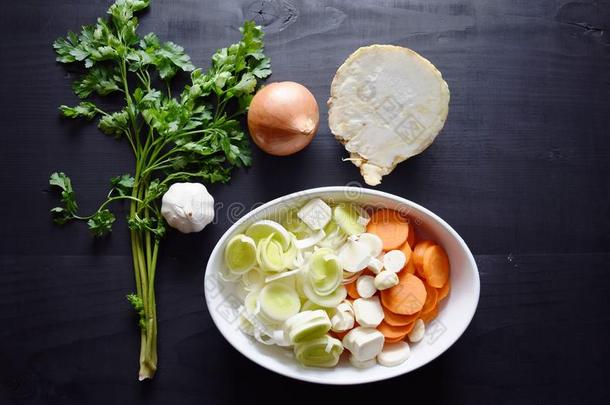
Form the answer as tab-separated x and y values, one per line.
283	118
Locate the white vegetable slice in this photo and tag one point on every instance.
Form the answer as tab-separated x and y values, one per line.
362	363
373	242
342	321
394	261
368	311
394	354
316	214
354	256
375	265
278	302
364	343
265	228
366	286
418	332
386	279
387	103
240	254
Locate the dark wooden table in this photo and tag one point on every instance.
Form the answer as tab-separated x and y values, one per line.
521	171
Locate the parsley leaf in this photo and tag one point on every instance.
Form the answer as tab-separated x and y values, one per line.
85	109
114	124
68	198
101	222
98	79
123	184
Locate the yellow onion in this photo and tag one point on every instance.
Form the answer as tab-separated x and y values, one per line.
283	118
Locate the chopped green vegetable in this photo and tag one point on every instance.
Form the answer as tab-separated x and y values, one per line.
325	272
193	136
278	302
346	216
240	254
321	352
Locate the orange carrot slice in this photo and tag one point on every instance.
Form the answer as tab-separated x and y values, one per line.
393	332
338	335
430	315
406	249
411	235
436	266
410	267
407	297
396	319
395	340
418	254
443	292
431	299
351	290
390	226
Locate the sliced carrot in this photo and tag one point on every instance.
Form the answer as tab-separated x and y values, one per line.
431	299
393	332
410	267
443	292
390	226
406	249
397	319
411	234
395	340
436	266
418	254
407	297
351	290
338	335
430	315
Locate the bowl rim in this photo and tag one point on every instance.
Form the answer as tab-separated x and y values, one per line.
366	378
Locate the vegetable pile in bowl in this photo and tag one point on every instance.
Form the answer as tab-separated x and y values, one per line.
303	287
332	277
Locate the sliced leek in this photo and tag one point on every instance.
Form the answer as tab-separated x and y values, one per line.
326	301
321	352
240	254
307	325
349	218
278	302
270	255
324	271
265	228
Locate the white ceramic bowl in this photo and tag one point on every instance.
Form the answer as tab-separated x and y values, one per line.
454	316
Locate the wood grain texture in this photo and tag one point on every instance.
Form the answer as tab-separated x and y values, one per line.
521	171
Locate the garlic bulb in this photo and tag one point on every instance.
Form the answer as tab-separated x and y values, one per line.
188	207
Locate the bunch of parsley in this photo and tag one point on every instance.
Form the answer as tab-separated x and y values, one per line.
194	136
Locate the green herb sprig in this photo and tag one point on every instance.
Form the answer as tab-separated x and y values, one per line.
193	136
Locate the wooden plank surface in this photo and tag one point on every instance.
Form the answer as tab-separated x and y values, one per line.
521	171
